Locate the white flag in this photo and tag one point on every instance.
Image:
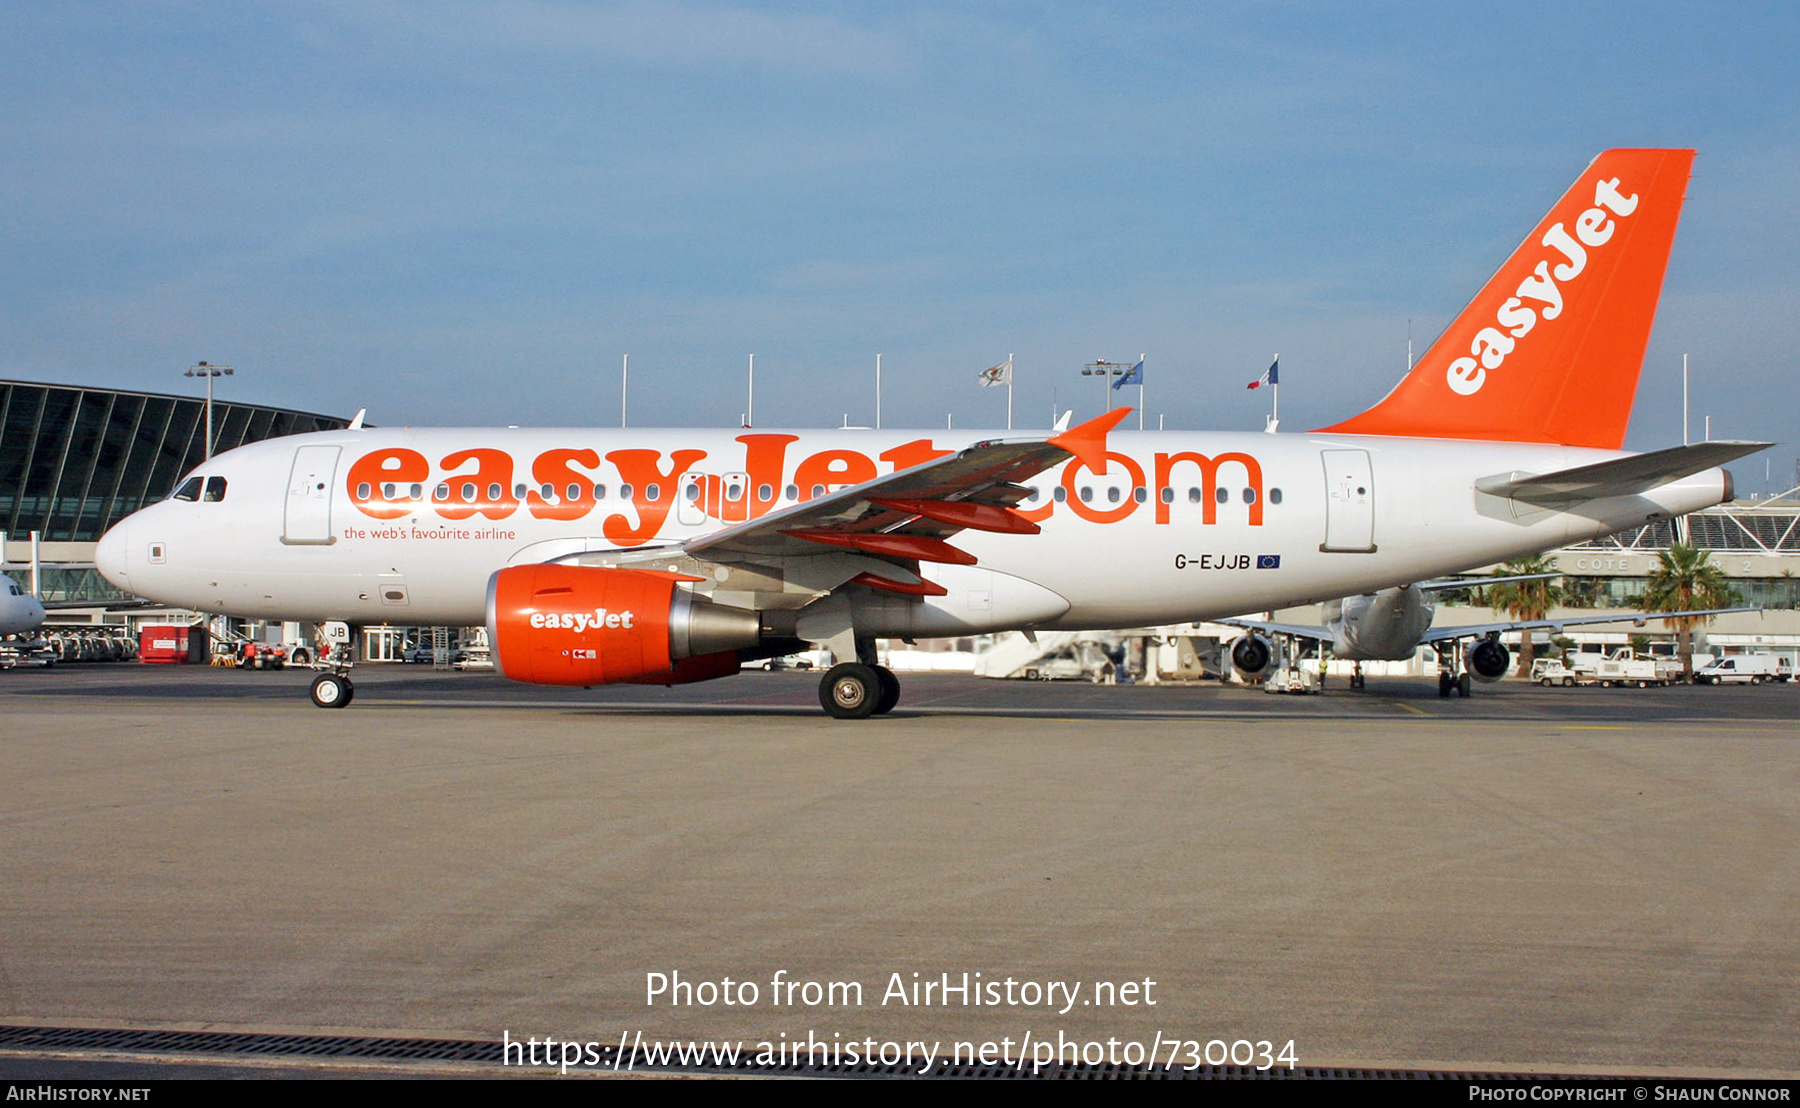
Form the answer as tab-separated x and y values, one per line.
997	375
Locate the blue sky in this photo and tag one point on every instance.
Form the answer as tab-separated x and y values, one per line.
465	213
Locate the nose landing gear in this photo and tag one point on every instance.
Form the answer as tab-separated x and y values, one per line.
332	690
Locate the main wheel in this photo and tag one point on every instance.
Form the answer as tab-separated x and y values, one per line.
1463	684
890	691
332	691
850	691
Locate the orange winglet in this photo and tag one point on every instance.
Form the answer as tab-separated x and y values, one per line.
1088	441
965	513
923	547
922	588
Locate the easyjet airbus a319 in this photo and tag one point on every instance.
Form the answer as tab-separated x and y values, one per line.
662	557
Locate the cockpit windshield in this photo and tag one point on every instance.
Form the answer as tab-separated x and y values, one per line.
189	490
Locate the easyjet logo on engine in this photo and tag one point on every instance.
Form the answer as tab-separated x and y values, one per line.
579	622
1540	296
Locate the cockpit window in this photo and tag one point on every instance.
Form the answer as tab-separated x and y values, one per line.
215	489
189	490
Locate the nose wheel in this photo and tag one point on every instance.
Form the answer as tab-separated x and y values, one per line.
332	690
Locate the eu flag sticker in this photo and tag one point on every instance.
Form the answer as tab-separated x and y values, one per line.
1268	561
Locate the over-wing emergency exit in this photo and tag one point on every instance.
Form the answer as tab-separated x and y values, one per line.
598	556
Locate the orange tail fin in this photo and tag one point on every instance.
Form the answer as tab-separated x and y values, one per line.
1550	349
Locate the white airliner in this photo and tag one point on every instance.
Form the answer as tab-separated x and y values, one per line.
661	557
1392	624
19	610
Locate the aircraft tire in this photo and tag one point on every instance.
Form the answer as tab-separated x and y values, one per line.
850	690
331	691
890	691
1463	685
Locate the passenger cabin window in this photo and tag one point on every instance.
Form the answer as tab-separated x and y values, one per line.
1274	496
215	489
189	490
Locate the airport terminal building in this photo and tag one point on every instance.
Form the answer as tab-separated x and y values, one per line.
76	460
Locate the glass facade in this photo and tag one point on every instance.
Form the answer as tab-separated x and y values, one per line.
74	461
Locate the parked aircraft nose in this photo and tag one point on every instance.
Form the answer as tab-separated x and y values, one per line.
109	556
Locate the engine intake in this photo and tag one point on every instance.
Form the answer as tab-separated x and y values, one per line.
1251	656
1487	661
585	625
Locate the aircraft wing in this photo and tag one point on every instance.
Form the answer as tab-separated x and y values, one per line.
1619	477
1299	630
1638	619
1480	582
907	515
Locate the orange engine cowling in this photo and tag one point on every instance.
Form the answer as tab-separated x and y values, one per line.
586	625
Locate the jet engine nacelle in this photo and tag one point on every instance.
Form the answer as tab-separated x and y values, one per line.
1251	656
586	625
1487	661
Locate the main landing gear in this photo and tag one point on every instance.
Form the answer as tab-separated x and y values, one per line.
859	689
1453	676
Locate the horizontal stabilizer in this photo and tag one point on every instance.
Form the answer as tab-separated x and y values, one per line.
1619	477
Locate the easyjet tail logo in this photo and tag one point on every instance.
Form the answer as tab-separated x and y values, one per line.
1541	295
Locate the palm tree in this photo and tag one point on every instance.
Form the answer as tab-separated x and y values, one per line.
1685	578
1525	599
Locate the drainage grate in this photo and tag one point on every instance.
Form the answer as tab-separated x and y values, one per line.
229	1044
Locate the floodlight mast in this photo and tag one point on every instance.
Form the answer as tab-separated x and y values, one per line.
209	372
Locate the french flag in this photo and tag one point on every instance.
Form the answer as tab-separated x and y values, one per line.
1272	377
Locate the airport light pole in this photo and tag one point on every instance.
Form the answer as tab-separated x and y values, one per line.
1106	371
209	372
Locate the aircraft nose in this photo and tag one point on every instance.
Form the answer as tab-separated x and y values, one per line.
109	556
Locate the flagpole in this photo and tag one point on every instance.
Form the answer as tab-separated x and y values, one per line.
750	416
1009	377
1275	396
1141	391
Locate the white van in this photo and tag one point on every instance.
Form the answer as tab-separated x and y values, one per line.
1745	669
